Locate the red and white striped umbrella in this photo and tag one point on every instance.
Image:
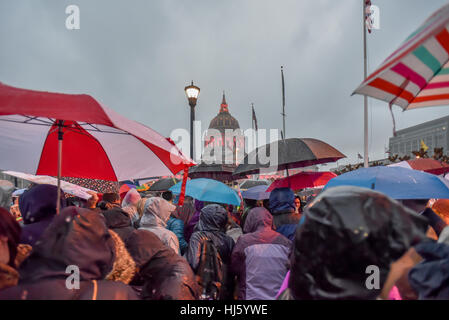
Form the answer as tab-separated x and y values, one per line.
94	141
417	74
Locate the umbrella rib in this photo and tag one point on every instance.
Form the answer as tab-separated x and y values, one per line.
99	130
44	123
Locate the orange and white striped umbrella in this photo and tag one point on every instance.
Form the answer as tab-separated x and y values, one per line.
417	74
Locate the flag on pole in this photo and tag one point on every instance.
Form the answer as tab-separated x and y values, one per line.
283	103
368	17
254	118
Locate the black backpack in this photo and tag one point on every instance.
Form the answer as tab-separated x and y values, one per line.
210	271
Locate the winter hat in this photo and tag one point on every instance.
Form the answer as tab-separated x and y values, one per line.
282	200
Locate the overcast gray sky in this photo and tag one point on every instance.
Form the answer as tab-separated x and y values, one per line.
137	56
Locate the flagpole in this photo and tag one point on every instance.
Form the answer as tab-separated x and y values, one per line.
253	133
284	135
252	126
283	103
365	98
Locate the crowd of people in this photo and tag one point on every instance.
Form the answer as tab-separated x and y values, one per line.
345	243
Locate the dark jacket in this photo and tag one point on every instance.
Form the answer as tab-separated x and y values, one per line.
347	229
282	207
177	227
260	257
163	274
118	221
77	237
212	226
38	208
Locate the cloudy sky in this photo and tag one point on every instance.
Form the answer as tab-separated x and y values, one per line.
137	56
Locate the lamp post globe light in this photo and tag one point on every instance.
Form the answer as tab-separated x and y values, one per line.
192	93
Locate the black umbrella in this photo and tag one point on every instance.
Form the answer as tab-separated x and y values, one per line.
253	183
291	153
216	171
163	184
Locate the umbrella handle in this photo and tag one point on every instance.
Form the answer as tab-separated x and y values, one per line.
183	186
60	139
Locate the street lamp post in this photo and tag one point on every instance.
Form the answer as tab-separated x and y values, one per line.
192	93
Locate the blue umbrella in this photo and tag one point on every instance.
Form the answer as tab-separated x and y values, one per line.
396	182
256	193
208	190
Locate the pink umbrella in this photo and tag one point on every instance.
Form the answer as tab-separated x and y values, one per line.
303	180
73	135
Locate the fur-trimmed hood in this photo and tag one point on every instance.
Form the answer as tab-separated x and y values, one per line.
124	266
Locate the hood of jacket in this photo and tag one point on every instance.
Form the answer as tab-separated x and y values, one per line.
77	237
156	212
116	218
39	203
345	230
165	274
258	218
131	198
282	200
213	217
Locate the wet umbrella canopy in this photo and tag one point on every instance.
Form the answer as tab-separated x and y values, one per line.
256	193
250	183
163	184
347	229
396	182
216	171
291	153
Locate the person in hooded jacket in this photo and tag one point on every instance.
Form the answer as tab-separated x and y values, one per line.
162	274
38	208
156	212
282	207
212	226
260	257
76	240
345	230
